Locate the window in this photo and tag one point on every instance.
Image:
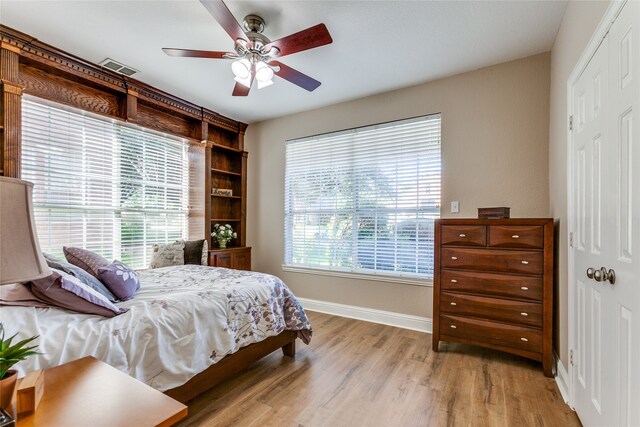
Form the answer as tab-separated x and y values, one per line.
103	185
364	200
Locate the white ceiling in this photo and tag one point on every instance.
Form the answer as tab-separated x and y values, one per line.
377	45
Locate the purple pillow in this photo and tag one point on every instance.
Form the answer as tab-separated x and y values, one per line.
65	291
121	280
85	259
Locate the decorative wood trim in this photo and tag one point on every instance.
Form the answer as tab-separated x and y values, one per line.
12	132
220	121
12	88
207	189
204	128
163	99
130	107
11	114
243	201
40	54
10	47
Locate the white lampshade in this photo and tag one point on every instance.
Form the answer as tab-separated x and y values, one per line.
241	69
264	75
21	259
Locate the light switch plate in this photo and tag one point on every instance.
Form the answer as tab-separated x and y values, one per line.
455	207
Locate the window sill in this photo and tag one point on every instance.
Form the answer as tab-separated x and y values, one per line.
361	276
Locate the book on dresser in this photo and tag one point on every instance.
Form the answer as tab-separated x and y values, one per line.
493	285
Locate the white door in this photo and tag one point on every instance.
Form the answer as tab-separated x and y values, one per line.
606	200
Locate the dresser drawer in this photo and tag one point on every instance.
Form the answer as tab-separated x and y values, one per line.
526	262
516	236
505	285
502	334
467	235
504	310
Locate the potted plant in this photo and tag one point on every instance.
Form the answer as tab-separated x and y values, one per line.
10	354
223	234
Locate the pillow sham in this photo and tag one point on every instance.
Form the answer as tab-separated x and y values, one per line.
167	255
19	294
65	291
196	252
85	259
80	274
120	279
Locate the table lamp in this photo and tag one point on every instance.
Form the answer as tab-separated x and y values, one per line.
21	259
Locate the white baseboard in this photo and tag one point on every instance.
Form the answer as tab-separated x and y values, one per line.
562	379
405	321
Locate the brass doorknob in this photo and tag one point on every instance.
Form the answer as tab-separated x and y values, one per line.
598	275
590	272
611	276
603	275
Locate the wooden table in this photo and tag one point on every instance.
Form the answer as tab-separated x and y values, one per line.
88	392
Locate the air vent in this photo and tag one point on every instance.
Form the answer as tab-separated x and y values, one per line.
118	67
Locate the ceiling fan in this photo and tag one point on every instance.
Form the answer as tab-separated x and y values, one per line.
255	56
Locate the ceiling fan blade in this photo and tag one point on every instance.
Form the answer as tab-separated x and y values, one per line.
310	38
295	76
221	13
240	90
189	53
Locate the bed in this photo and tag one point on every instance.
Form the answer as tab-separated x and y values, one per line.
187	328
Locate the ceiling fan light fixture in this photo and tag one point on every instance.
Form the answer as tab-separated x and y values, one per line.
264	75
264	84
241	69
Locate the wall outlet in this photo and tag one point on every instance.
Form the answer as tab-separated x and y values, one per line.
455	207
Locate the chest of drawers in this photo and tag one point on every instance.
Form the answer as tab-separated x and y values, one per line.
493	285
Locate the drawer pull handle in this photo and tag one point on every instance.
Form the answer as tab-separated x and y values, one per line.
453	326
524	339
524	314
454	257
524	288
515	236
463	235
454	281
453	303
525	262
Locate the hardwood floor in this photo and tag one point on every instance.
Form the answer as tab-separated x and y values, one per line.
357	373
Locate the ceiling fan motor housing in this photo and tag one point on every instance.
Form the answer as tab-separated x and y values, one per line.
254	24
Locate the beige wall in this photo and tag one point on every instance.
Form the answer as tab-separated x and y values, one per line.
495	124
578	24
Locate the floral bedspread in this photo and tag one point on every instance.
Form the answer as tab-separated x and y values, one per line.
182	320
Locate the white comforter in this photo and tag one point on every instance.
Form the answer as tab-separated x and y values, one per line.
182	320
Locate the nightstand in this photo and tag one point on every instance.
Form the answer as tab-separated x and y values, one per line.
88	392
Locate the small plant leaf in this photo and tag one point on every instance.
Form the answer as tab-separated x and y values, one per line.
10	353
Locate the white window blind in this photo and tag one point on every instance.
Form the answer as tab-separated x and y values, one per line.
101	184
364	200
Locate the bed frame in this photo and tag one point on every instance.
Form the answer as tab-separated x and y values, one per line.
233	364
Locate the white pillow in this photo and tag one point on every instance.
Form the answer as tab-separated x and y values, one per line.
205	253
167	255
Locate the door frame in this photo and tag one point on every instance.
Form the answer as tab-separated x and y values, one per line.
610	15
